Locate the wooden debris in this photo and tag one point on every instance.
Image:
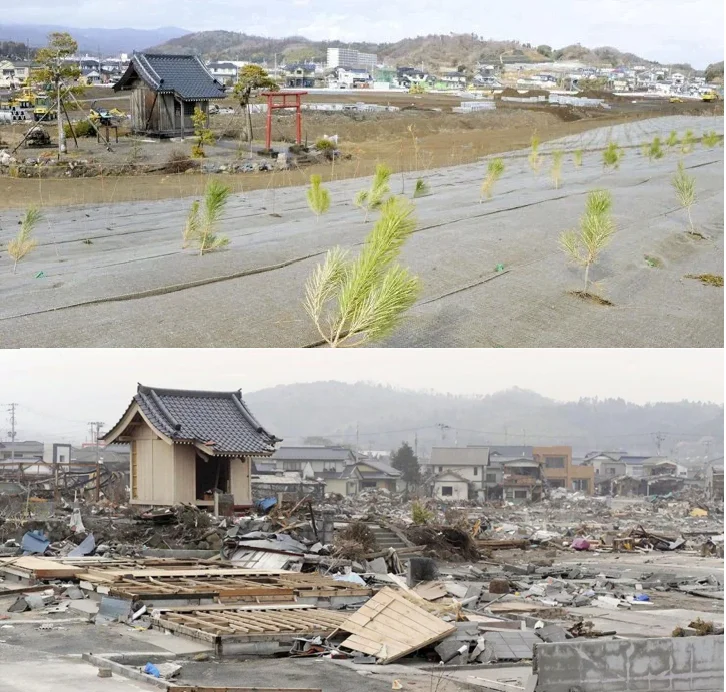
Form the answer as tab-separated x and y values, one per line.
389	626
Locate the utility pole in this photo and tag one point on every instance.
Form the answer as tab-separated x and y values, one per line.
505	435
357	430
659	437
96	429
11	409
415	444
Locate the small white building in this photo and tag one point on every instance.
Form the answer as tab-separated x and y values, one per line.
450	486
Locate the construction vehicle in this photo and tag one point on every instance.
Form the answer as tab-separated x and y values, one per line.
710	97
675	99
44	108
103	116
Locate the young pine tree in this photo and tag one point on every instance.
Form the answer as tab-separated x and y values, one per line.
685	189
583	245
318	196
353	301
374	197
495	170
23	243
556	170
201	226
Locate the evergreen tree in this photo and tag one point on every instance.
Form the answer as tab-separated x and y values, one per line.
405	461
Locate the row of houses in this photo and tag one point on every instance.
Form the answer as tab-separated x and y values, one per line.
183	446
94	71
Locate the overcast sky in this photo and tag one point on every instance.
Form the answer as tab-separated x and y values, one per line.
59	391
663	30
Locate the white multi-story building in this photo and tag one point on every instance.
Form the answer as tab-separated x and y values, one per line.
348	57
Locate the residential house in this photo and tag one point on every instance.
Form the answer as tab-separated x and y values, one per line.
469	463
328	464
165	91
224	72
21	450
449	81
187	444
348	78
300	76
376	473
560	472
450	486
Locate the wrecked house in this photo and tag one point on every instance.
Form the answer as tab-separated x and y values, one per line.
165	91
714	480
187	445
522	480
450	486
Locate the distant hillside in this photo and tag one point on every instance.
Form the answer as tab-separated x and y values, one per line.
434	51
384	417
108	41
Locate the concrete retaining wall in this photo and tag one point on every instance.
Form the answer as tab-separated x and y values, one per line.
695	664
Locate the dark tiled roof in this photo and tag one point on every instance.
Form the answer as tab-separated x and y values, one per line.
314	453
220	420
182	75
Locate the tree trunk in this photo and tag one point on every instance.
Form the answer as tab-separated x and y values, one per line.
587	277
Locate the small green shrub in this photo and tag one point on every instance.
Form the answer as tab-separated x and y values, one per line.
82	128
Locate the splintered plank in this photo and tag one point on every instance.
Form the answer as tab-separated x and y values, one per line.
388	627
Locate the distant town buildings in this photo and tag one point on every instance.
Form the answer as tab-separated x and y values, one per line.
348	57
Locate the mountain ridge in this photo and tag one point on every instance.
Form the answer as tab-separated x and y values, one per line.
382	417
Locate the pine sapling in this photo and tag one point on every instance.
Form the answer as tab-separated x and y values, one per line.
655	150
685	189
495	169
534	158
672	140
353	301
556	170
611	155
318	196
711	139
583	245
23	243
687	142
202	221
421	189
577	157
374	197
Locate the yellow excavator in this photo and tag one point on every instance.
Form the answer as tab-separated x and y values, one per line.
710	97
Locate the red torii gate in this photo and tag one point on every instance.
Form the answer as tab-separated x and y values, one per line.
272	97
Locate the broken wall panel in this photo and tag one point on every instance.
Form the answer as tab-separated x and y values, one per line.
224	625
389	626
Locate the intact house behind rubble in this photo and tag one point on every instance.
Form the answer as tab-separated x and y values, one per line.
450	467
187	444
510	472
342	471
165	90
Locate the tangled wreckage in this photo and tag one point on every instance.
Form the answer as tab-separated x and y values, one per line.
554	596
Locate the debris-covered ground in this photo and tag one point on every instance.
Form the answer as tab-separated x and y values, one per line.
379	592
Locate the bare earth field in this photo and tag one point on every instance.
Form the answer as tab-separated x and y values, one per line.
115	274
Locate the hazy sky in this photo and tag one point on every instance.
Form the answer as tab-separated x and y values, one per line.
664	30
59	391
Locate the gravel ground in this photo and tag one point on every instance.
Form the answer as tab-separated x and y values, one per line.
115	275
